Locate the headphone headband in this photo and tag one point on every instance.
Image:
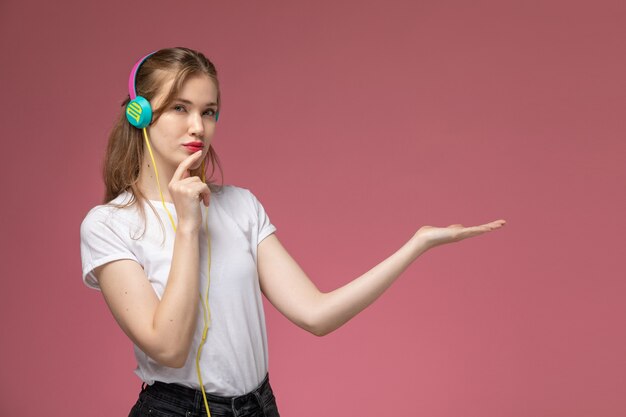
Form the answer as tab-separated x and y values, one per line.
133	76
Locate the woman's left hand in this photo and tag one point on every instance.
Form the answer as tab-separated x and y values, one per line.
431	236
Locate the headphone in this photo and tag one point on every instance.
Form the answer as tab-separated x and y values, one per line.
138	109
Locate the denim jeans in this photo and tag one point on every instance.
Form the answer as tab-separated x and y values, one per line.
172	400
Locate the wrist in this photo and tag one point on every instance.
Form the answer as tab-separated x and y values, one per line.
417	246
187	230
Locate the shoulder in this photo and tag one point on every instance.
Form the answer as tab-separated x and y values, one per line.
107	234
240	205
110	215
233	194
239	201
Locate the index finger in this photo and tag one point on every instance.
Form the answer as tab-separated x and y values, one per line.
185	165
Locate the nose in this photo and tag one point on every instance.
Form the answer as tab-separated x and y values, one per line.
196	125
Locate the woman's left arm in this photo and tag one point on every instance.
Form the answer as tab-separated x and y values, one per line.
290	290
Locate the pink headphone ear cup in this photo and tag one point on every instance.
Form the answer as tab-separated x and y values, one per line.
139	112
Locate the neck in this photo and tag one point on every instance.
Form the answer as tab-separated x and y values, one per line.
148	181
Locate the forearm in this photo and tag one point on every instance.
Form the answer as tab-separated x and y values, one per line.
175	317
291	291
335	308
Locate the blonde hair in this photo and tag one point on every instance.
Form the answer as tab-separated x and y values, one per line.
125	149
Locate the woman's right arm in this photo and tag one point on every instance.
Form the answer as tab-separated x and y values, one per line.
163	329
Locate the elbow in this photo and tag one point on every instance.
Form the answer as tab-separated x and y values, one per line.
319	331
319	320
317	326
175	361
171	358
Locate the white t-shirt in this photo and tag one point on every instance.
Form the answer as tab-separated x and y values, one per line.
234	358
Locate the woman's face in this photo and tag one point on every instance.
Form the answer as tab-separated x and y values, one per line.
187	125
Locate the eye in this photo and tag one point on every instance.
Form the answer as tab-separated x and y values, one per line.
179	108
209	112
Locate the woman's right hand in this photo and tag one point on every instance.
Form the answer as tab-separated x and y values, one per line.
186	191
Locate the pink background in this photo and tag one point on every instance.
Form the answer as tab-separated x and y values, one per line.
355	123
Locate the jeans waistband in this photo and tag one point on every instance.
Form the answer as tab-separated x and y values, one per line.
164	390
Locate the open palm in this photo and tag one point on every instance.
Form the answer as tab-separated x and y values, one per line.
435	236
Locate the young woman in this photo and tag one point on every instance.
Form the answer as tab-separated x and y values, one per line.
165	235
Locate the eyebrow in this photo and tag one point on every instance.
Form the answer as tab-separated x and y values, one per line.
182	100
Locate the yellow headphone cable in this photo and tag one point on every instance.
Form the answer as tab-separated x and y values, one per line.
205	301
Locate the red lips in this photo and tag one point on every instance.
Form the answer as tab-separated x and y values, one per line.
193	147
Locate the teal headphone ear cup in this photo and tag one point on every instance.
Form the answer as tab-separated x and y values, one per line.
217	116
139	112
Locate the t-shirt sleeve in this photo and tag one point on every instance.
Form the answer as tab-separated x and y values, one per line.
101	242
265	226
